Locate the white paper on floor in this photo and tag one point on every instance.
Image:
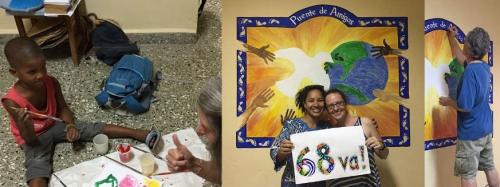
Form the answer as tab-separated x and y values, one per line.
89	172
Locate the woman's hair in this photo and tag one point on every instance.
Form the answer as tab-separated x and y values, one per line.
301	96
337	91
479	42
210	103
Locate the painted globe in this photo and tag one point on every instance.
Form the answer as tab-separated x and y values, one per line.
356	72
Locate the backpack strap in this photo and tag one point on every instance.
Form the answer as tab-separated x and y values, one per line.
133	70
135	106
102	98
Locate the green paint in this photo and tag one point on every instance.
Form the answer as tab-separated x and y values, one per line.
109	180
347	54
351	91
456	69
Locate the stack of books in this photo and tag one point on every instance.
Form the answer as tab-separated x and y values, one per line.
57	6
48	32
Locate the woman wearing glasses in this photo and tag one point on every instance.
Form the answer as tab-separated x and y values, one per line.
336	102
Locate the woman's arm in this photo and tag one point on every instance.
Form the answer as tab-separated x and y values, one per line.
374	140
207	170
181	159
281	147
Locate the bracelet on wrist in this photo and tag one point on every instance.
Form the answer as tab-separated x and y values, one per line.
69	125
197	166
383	147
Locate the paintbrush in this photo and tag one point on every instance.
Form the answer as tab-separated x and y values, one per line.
46	116
40	115
164	173
169	172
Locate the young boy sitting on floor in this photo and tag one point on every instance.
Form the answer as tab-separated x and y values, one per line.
37	92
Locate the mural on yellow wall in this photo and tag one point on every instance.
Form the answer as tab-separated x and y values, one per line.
442	74
326	45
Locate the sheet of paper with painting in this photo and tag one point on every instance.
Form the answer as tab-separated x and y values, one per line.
329	154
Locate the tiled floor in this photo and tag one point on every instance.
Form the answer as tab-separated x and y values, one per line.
184	66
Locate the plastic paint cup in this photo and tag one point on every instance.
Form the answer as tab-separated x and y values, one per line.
101	144
124	151
147	164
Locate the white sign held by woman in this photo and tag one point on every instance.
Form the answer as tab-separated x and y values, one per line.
329	154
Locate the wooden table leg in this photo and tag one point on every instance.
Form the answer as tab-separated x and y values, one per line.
70	24
20	26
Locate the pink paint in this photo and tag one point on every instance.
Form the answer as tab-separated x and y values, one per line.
128	181
124	151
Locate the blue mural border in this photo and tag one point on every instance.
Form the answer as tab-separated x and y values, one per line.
443	24
350	20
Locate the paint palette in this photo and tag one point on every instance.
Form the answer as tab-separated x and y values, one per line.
128	174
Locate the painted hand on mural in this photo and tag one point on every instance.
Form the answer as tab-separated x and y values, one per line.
262	52
261	99
289	114
385	96
258	102
379	51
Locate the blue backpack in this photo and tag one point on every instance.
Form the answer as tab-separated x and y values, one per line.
129	86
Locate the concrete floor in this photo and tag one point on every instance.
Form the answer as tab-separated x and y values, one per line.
185	68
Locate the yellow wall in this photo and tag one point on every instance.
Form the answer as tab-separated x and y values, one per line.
7	24
253	167
439	163
147	16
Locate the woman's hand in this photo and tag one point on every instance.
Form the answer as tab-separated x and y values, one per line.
452	31
374	143
325	116
285	149
180	158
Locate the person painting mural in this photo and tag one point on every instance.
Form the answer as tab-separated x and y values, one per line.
474	149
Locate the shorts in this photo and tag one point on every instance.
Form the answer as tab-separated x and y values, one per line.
38	159
473	155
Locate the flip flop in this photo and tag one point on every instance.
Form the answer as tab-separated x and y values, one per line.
153	138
